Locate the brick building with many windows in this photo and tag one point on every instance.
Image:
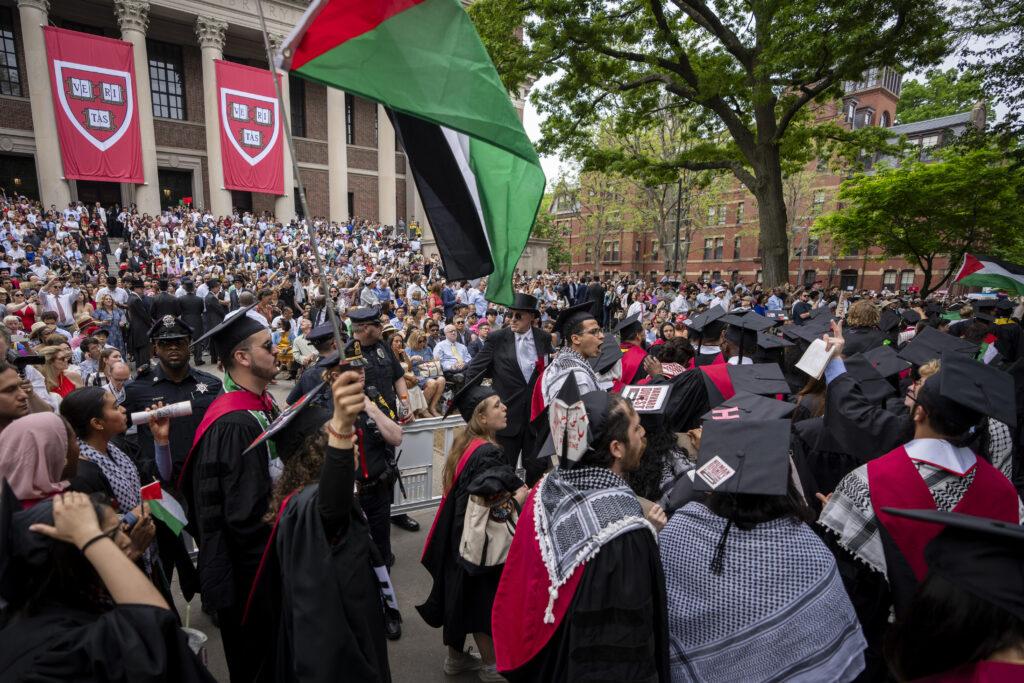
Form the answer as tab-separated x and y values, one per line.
725	243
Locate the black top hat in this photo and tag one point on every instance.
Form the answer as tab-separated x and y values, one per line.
525	302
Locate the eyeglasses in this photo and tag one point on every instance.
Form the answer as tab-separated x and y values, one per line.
64	358
596	331
517	315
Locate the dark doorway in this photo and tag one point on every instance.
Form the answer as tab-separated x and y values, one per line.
18	176
297	206
174	186
351	207
848	280
92	191
241	200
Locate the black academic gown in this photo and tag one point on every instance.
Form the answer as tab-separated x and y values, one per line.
460	601
130	643
616	628
331	616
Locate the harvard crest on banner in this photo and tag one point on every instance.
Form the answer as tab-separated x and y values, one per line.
93	84
250	129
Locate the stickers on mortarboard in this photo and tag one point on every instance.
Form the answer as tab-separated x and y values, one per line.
647	398
569	421
715	472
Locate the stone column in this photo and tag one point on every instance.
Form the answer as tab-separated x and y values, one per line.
284	206
133	17
337	155
210	33
386	186
53	188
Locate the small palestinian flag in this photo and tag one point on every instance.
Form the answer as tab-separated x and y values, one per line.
164	507
474	166
984	271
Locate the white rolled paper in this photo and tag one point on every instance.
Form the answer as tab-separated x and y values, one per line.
173	410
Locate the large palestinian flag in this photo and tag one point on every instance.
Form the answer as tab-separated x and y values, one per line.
985	271
476	170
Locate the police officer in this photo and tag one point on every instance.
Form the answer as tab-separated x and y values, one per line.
173	380
384	374
322	339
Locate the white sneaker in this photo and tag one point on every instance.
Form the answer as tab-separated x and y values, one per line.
490	674
467	662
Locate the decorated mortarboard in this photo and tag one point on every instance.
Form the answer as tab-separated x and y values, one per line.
764	379
608	356
169	327
745	406
750	458
976	386
469	397
983	556
929	344
576	421
624	327
886	361
647	398
572	316
236	327
290	418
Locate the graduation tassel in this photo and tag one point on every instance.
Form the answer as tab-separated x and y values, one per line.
718	560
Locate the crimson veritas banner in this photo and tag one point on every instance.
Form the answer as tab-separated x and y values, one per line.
93	83
250	129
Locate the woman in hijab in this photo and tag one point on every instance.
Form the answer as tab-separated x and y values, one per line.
37	455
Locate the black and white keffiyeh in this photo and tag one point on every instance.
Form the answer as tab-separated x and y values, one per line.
568	361
575	513
779	610
119	470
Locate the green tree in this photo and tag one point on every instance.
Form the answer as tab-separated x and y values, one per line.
751	73
544	226
606	212
995	38
942	93
968	201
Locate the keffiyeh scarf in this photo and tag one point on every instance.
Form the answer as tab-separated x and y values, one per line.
119	470
576	512
778	612
568	360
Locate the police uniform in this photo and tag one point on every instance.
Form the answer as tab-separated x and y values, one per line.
311	377
198	387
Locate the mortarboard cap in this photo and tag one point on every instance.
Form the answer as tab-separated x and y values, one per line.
889	320
985	317
297	415
764	379
469	397
753	459
976	386
872	384
885	360
236	328
742	330
625	328
911	317
608	356
768	341
708	324
929	344
572	316
983	556
1005	306
745	406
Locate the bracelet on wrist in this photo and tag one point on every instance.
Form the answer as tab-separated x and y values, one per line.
338	435
97	537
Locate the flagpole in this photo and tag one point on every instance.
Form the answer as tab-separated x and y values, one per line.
283	122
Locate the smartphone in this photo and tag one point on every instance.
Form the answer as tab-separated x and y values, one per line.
130	520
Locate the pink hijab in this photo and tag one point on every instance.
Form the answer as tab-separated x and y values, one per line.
32	454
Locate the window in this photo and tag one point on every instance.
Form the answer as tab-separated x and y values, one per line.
889	280
759	276
81	28
704	275
297	105
10	78
350	123
654	250
588	255
637	249
610	252
812	246
930	141
721	214
712	213
735	276
906	279
809	277
884	121
716	275
719	246
376	124
739	213
819	201
166	80
736	243
709	248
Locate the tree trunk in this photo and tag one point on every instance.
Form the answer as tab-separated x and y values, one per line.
773	245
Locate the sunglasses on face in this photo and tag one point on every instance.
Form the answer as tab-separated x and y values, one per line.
168	343
516	315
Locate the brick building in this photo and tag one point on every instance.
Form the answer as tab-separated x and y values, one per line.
725	243
350	162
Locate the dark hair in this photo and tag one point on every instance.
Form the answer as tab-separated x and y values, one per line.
616	428
48	315
81	406
302	468
87	342
944	627
747	510
577	327
949	419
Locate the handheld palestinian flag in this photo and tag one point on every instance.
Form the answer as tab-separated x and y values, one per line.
164	507
984	271
476	170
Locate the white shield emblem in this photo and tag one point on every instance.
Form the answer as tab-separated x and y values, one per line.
99	102
251	122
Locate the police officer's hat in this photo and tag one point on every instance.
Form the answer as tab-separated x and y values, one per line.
169	327
320	333
353	357
369	314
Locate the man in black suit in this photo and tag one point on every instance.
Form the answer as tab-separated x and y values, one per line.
164	303
139	322
216	309
192	313
595	295
513	358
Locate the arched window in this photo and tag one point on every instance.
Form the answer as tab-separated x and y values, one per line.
884	121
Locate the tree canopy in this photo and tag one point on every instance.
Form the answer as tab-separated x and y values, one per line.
750	74
941	93
968	201
995	29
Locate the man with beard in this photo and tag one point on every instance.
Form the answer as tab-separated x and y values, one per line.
228	493
581	338
881	555
583	535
